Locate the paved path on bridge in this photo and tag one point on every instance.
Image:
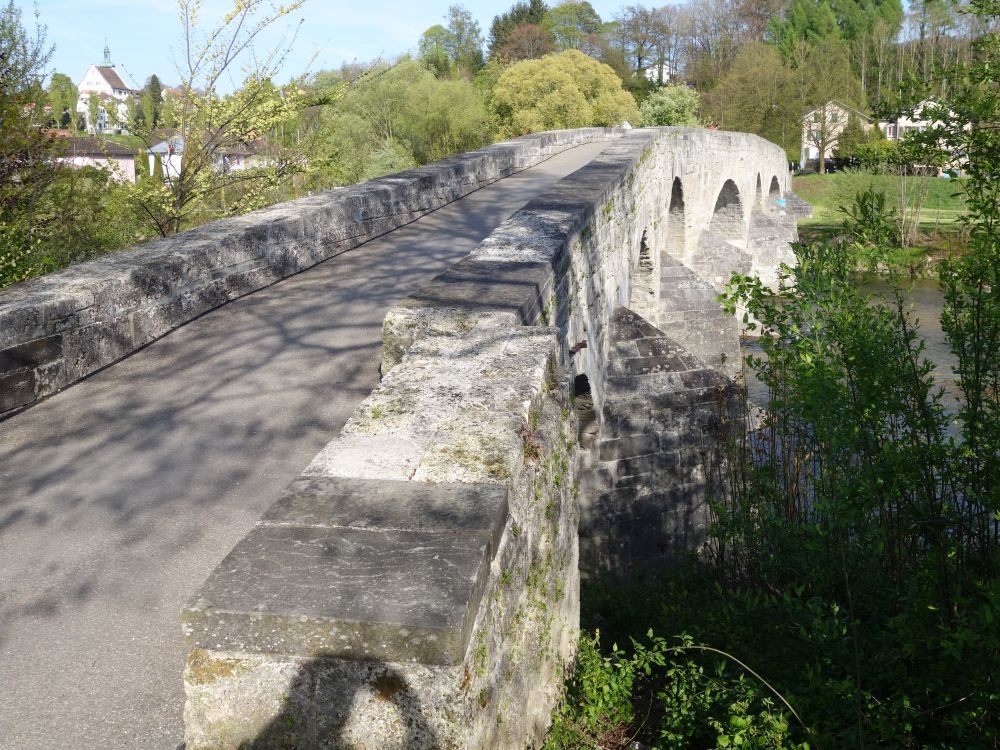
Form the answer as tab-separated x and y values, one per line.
119	495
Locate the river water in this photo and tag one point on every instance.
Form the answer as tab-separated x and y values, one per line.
925	300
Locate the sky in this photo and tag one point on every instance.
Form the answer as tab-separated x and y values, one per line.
143	34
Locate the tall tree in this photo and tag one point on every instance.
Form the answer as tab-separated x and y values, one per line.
62	97
526	42
433	50
758	95
464	42
573	24
155	91
211	124
522	12
806	24
26	166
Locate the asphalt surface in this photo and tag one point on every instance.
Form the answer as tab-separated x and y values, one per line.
119	495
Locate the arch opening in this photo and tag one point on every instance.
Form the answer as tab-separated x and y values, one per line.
775	190
586	414
675	220
727	218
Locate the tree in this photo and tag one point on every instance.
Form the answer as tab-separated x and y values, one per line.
532	12
93	112
26	168
573	25
671	105
397	116
759	94
564	90
433	50
62	97
825	75
807	23
210	124
155	93
464	42
526	42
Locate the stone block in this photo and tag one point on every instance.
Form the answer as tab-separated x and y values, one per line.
387	570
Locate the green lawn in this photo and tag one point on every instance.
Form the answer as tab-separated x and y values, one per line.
942	208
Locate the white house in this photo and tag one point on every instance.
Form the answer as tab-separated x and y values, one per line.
897	128
168	150
112	93
821	129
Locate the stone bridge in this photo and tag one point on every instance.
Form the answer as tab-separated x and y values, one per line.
551	402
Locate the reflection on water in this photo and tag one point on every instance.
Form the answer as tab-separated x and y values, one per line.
925	301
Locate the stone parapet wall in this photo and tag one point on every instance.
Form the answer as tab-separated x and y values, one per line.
418	585
59	328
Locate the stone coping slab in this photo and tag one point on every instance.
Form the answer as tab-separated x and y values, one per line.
358	568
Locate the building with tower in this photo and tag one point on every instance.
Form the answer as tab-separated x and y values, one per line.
103	86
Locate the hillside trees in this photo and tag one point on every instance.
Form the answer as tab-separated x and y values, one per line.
573	25
563	90
394	118
522	12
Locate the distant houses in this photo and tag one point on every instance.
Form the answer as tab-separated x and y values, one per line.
823	126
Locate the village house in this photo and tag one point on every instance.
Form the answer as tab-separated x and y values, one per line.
91	151
822	128
112	93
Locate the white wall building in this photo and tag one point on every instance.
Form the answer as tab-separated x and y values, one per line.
112	93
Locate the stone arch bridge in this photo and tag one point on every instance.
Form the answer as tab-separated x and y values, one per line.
555	377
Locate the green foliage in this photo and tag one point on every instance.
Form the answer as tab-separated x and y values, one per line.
464	40
564	90
806	23
572	24
685	696
392	119
876	156
758	95
62	97
671	105
871	225
531	12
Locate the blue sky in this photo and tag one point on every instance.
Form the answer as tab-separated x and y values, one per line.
142	33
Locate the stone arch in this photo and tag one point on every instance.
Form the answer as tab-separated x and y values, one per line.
775	190
758	199
727	218
675	239
583	401
642	284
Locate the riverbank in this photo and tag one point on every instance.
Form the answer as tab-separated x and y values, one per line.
932	218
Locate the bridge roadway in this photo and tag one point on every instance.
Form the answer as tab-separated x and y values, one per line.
119	495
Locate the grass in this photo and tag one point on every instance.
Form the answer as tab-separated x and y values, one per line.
941	226
942	208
